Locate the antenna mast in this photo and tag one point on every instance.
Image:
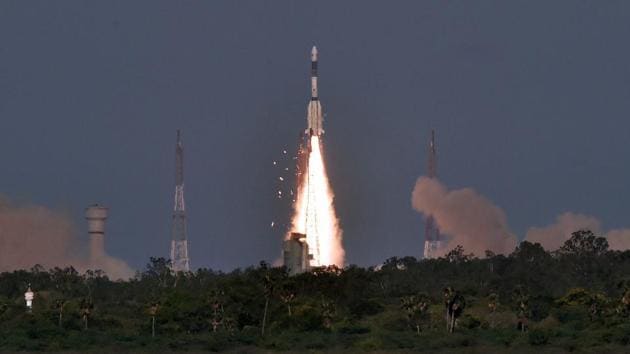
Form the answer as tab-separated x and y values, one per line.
179	241
432	240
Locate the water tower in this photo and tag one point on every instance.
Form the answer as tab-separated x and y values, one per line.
96	216
28	298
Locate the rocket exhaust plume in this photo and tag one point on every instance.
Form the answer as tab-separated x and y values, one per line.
314	212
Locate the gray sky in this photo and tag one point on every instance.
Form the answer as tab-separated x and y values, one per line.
530	101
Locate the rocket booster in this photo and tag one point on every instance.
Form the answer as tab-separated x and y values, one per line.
314	115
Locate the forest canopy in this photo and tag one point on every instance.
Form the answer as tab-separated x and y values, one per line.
574	299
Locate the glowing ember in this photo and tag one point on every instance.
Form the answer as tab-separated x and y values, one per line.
315	214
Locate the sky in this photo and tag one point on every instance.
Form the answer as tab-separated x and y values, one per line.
529	99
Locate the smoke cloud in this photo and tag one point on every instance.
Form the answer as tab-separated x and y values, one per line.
469	219
465	217
32	235
553	236
618	240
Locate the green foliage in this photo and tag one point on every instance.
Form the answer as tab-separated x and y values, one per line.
538	337
576	298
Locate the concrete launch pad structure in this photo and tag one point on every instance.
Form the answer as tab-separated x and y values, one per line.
295	254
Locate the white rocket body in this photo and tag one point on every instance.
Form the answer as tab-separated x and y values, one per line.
314	116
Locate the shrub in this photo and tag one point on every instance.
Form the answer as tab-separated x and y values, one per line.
538	337
469	321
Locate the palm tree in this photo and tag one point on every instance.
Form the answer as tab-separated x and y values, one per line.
448	294
60	305
624	303
416	308
455	304
521	300
86	311
153	311
287	294
493	304
269	285
328	312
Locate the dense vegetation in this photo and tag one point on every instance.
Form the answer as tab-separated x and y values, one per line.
574	299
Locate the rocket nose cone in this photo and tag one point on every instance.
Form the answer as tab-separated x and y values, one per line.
314	53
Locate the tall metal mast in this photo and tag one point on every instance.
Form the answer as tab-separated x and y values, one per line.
431	232
179	241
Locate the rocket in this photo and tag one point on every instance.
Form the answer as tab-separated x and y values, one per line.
314	115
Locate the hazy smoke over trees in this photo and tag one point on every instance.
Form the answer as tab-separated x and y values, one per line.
32	235
469	219
551	237
466	217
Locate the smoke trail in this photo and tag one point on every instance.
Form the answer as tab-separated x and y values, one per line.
32	235
465	216
314	212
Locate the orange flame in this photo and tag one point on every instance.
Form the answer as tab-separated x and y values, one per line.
314	212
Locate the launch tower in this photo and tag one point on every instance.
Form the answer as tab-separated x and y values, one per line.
179	241
431	232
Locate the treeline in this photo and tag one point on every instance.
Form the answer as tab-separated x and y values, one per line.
576	298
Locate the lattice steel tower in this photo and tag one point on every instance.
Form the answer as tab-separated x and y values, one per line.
432	240
179	241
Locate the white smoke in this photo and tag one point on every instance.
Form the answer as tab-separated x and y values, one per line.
465	217
31	235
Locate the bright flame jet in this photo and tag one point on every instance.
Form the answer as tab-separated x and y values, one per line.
314	210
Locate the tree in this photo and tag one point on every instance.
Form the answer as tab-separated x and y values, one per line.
216	304
86	311
288	294
493	304
455	304
416	308
269	285
531	253
521	297
154	307
328	312
457	255
584	243
623	307
66	283
159	271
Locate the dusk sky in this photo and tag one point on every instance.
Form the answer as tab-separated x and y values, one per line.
530	101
